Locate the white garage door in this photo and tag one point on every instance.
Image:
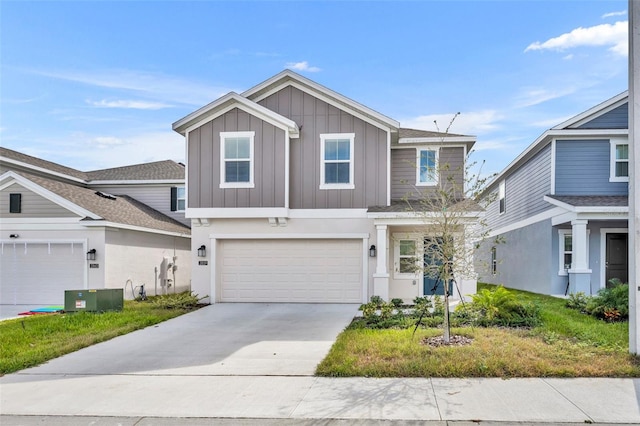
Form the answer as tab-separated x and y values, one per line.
39	273
303	271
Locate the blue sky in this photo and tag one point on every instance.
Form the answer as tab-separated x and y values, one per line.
97	84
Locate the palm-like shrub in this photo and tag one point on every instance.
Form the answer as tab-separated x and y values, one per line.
499	307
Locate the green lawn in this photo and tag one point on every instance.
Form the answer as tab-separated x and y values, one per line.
567	344
29	341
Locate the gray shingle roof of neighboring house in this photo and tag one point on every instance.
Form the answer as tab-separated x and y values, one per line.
418	206
122	210
593	200
38	162
158	170
415	133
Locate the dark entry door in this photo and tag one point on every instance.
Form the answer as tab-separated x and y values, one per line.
617	261
431	283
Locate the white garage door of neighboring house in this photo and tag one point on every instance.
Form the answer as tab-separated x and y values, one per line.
39	273
303	271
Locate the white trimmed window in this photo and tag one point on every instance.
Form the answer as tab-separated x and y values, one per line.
180	199
236	159
565	251
427	170
502	197
406	258
619	162
336	158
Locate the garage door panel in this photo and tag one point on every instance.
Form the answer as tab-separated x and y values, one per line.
291	271
38	273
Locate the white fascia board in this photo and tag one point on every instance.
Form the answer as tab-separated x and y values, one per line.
149	182
105	224
586	209
290	78
291	236
429	145
418	221
236	212
448	141
12	178
43	241
328	213
217	108
41	169
418	216
595	112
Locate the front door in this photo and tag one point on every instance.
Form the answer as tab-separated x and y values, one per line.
431	282
617	260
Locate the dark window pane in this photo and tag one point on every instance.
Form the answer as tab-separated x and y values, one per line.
622	169
237	171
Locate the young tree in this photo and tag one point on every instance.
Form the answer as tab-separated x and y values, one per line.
451	223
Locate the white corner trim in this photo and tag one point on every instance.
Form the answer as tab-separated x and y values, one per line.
552	189
388	168
13	177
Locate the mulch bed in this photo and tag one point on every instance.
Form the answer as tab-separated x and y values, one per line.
454	340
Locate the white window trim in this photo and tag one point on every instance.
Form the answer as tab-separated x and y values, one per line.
396	256
612	162
223	138
502	196
330	136
561	235
437	159
178	198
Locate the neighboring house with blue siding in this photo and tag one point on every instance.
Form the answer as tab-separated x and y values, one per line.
295	195
561	208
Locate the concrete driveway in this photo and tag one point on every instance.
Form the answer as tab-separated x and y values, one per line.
223	339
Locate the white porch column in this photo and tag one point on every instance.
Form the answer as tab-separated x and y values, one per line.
579	274
381	277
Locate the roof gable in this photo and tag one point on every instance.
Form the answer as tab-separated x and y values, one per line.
290	78
582	120
228	102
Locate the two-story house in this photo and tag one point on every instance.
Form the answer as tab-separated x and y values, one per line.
561	207
64	229
294	195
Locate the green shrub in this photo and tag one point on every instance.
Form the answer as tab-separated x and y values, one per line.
184	300
397	303
498	307
422	306
577	301
377	301
611	304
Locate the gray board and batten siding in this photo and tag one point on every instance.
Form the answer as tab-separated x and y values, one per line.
617	118
204	164
315	117
403	170
32	204
583	168
525	189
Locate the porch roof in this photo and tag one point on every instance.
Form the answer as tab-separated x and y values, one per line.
424	206
592	200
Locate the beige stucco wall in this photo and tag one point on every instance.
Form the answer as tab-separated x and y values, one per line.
134	255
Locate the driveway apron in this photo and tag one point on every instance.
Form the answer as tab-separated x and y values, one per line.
222	339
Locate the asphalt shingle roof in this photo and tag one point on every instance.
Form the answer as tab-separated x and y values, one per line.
407	206
415	133
123	210
593	200
158	170
38	162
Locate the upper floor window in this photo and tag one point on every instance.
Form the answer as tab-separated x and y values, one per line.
236	159
619	162
336	156
427	170
502	197
178	199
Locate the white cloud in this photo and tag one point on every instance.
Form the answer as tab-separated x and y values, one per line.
535	96
127	104
467	123
613	35
161	87
103	142
301	66
612	14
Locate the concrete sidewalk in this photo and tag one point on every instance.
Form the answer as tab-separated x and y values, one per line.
304	398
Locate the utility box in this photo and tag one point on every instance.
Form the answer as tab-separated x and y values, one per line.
94	300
